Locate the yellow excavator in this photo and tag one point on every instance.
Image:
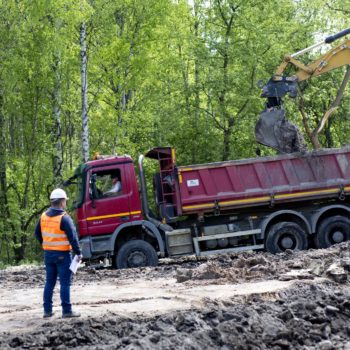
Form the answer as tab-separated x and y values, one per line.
273	129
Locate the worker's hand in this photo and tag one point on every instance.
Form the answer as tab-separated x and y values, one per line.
80	257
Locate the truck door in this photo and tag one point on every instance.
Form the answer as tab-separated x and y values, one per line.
108	197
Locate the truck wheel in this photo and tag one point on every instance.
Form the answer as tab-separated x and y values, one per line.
136	253
285	235
335	229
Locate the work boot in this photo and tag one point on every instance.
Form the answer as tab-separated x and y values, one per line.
71	314
48	314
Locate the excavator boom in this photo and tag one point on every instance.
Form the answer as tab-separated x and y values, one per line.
333	59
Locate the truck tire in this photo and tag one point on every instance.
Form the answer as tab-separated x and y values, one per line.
285	235
136	253
335	229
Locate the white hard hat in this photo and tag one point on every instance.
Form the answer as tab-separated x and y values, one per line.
58	193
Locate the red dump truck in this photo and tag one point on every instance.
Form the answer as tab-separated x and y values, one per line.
290	201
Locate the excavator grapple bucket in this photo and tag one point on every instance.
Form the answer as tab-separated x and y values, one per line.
265	128
273	130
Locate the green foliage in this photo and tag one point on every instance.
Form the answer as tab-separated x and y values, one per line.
160	73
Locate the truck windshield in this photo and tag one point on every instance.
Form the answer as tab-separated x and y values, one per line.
79	192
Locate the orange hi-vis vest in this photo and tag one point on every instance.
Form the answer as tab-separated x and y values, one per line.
53	237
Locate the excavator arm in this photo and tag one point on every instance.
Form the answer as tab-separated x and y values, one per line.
270	127
334	58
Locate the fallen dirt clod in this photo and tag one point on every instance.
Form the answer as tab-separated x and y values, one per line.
242	301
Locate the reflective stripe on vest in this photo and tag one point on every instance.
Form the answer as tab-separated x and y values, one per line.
53	237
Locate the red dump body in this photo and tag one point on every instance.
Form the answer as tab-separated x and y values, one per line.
263	181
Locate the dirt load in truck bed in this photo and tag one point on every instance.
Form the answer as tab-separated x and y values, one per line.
240	301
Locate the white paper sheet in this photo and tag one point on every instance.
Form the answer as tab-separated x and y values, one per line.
74	264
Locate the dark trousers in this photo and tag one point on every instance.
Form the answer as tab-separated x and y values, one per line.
57	265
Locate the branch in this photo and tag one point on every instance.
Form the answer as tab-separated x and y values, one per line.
14	187
336	9
218	124
243	107
222	13
335	104
36	213
301	108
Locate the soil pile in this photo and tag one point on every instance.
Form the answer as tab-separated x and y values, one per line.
306	317
333	263
312	314
238	267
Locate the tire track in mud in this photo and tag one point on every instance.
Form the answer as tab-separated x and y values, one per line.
121	301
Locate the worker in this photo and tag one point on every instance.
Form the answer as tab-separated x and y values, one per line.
116	186
56	233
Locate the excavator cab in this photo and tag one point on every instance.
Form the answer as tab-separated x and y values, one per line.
273	129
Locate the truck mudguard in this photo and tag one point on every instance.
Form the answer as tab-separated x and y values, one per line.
145	223
284	212
85	245
316	217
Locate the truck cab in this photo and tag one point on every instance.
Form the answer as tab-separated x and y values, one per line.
101	210
107	218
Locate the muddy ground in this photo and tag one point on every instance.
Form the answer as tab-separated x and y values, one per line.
240	301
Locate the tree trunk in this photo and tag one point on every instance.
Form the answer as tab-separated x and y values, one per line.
331	109
7	228
228	120
84	93
127	95
56	115
227	139
328	134
314	134
3	185
196	84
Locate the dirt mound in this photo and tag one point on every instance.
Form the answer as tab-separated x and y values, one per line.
306	317
236	267
312	314
29	276
333	263
26	276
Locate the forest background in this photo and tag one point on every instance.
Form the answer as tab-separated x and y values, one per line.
158	73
